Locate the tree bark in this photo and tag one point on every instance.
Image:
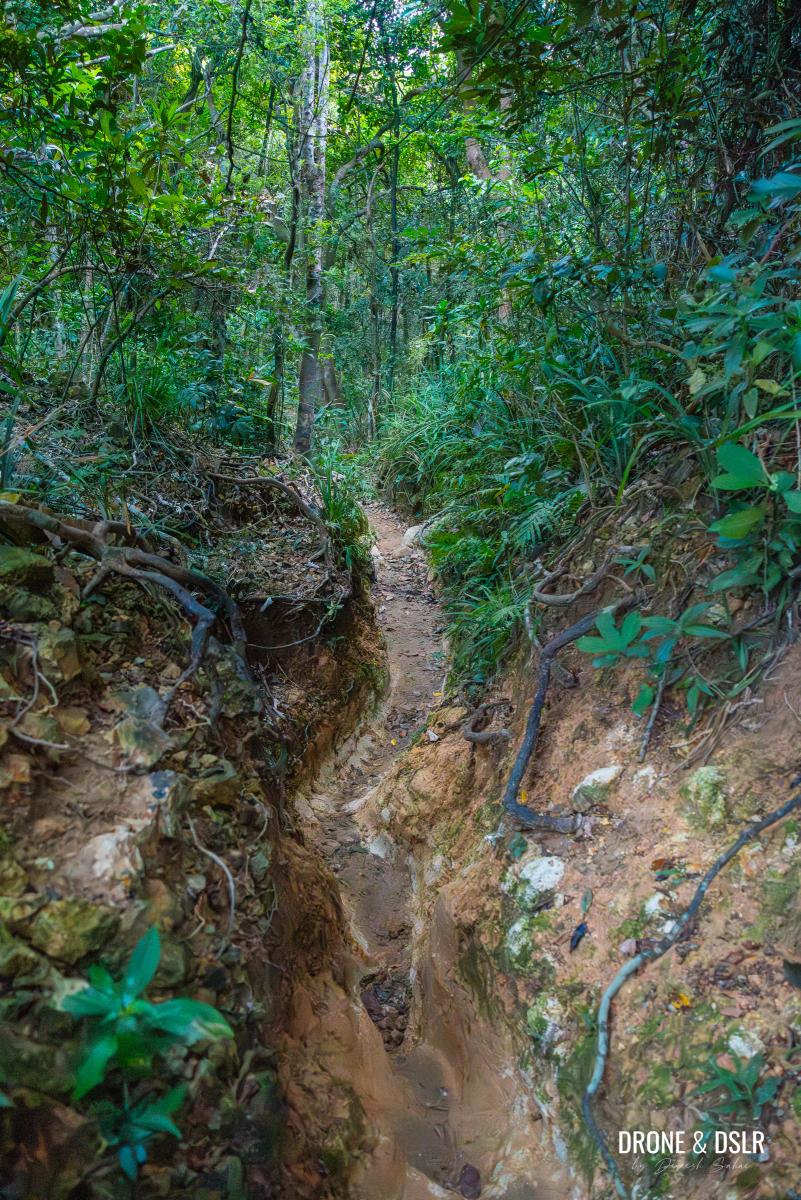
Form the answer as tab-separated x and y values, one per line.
477	162
313	135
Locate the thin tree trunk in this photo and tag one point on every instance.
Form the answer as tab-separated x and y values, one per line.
312	152
477	162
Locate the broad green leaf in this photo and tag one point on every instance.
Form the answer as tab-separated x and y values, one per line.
783	481
643	701
733	483
738	525
738	460
190	1020
605	624
770	386
92	1067
592	645
707	631
736	577
142	965
783	184
89	1003
793	501
5	1102
127	1160
632	624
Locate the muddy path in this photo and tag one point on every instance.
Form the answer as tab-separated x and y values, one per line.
431	1096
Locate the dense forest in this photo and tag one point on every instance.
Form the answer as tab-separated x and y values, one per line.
273	272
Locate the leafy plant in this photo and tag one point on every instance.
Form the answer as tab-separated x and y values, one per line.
128	1033
615	642
765	561
743	1093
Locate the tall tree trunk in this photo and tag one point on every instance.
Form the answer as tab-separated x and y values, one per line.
477	162
312	149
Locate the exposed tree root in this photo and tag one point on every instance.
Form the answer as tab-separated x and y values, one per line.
549	651
134	562
633	965
565	599
485	737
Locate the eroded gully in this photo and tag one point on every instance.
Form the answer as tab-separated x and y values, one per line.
452	1114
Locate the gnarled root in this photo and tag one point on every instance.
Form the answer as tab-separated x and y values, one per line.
139	563
485	737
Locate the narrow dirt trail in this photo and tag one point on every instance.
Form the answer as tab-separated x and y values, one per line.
427	1098
374	882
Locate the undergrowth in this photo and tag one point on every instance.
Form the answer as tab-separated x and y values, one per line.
688	426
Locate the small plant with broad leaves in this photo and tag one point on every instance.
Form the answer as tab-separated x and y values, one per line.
614	642
764	537
655	639
742	1092
127	1034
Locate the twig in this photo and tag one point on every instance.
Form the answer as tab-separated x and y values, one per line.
650	955
649	728
215	858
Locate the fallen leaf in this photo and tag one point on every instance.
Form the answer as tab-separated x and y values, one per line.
73	721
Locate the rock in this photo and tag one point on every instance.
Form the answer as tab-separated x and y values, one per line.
259	865
628	948
18	565
18	961
163	906
412	535
595	788
13	878
545	1021
220	785
469	1182
159	798
537	876
112	859
654	905
58	653
26	607
746	1045
69	930
140	736
704	795
173	965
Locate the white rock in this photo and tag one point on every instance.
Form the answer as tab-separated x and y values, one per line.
539	875
654	904
412	535
595	787
745	1045
646	776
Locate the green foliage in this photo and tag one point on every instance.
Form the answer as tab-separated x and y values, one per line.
614	643
340	487
128	1033
741	1092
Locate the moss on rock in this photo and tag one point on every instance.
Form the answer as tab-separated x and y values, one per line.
705	798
